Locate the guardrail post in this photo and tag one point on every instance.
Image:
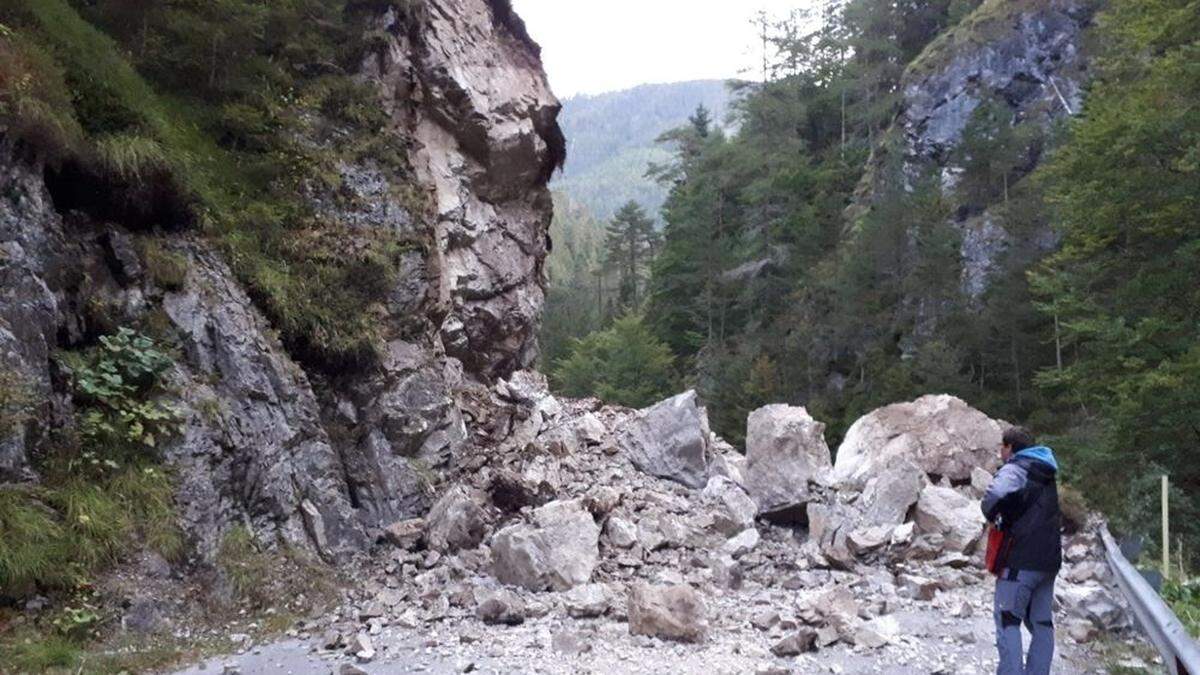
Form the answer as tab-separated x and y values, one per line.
1166	531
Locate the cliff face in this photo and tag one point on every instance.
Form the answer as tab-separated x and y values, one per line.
1028	59
318	460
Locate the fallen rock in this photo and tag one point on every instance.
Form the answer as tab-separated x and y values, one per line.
1091	603
667	612
947	512
731	507
405	534
741	544
586	601
798	642
620	532
941	435
557	551
500	607
456	521
917	587
670	440
785	449
980	480
891	492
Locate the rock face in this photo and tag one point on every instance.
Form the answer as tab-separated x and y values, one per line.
941	435
487	142
319	462
557	551
671	440
667	612
785	450
1033	64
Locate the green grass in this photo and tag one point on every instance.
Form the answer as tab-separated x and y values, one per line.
166	268
53	537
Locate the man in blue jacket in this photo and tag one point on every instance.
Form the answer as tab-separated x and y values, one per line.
1023	502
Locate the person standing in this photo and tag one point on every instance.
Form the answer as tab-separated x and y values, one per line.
1022	501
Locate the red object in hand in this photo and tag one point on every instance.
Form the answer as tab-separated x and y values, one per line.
997	550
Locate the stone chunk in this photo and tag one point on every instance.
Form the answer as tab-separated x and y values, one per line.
455	522
785	449
802	640
945	511
557	551
667	612
405	534
670	440
500	607
941	435
732	509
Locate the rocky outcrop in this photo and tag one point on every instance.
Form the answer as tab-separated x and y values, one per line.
1028	57
466	81
324	460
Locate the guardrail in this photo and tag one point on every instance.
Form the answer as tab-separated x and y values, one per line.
1179	652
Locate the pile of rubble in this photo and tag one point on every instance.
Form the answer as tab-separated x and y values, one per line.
580	511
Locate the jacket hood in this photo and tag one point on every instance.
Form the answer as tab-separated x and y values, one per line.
1040	453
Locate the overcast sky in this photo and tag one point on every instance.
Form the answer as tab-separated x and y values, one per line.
591	47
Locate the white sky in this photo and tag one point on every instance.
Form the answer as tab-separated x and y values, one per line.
592	46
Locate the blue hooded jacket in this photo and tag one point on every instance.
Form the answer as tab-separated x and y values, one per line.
1023	500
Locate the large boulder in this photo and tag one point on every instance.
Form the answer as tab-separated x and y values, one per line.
785	449
671	440
957	518
455	522
941	435
667	612
558	550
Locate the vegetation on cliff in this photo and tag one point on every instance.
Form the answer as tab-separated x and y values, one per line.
223	117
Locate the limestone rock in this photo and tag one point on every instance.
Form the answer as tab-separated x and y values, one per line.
947	512
586	601
405	534
559	549
732	509
455	522
667	612
620	532
798	642
785	449
670	440
941	435
500	607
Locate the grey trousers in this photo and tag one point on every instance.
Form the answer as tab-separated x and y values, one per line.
1025	598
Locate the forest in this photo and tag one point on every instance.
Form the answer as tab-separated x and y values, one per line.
802	261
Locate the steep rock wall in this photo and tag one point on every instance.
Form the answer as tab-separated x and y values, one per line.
318	460
1030	56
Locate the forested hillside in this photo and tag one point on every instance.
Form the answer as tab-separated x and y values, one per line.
611	141
995	200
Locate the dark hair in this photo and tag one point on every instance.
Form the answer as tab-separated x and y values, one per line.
1019	438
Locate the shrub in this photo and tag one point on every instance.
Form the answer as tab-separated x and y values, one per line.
114	384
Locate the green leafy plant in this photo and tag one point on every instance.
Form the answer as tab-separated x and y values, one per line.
115	383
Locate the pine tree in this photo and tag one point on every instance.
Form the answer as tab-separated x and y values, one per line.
630	243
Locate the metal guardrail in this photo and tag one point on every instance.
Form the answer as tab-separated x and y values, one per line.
1179	651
